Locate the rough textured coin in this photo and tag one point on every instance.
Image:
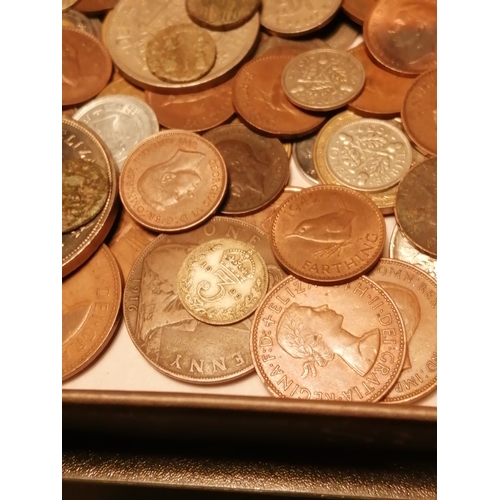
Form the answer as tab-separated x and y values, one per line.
86	66
91	299
323	79
163	331
336	343
341	33
419	112
119	85
95	5
257	168
357	10
402	34
303	156
121	121
328	234
75	19
275	45
416	206
415	294
220	14
173	181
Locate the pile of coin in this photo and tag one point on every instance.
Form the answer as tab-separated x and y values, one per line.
178	218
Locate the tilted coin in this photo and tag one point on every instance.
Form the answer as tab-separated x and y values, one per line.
341	33
357	10
76	19
222	281
119	85
336	343
95	5
219	14
275	45
415	294
303	156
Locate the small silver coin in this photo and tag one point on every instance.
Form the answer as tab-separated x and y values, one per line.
302	152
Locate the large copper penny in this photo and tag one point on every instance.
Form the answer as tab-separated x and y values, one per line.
257	168
259	99
357	10
328	234
75	19
95	5
222	14
415	294
118	85
336	343
173	181
402	34
86	66
91	300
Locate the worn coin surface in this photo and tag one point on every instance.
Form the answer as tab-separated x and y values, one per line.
303	156
415	294
338	343
75	19
328	234
119	85
91	300
220	14
357	10
275	45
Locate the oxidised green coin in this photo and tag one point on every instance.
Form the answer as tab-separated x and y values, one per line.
85	187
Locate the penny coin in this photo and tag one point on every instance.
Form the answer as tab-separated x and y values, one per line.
337	343
80	142
415	294
323	79
131	24
118	85
173	181
401	249
402	34
86	66
259	99
341	33
95	5
195	112
67	4
419	113
121	121
357	10
172	340
75	19
91	299
416	206
328	234
257	168
275	45
297	17
220	14
303	156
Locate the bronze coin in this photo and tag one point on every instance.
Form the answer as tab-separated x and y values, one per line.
86	66
91	300
196	112
336	343
95	5
419	113
67	4
118	85
402	34
416	206
75	19
259	99
275	45
257	168
173	181
328	234
357	10
220	14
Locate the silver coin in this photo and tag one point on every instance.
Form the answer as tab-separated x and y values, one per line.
82	22
121	121
302	152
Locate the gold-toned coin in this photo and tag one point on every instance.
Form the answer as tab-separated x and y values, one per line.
222	14
222	281
67	4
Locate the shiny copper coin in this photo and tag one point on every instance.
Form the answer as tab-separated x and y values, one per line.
91	300
336	343
259	99
118	85
416	206
357	10
257	168
86	66
275	45
402	34
328	234
415	294
173	181
218	14
195	112
419	112
95	5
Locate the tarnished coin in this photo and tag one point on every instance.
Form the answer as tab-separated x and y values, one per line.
220	14
416	206
257	168
85	188
75	19
323	79
328	234
95	5
415	294
336	343
173	181
91	300
121	121
119	85
303	156
357	10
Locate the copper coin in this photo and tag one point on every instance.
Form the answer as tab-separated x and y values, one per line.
275	45
174	342
357	10
257	168
95	5
220	14
337	343
416	206
259	99
328	234
118	85
91	300
415	294
75	19
67	4
86	66
80	142
195	112
402	34
419	112
173	181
